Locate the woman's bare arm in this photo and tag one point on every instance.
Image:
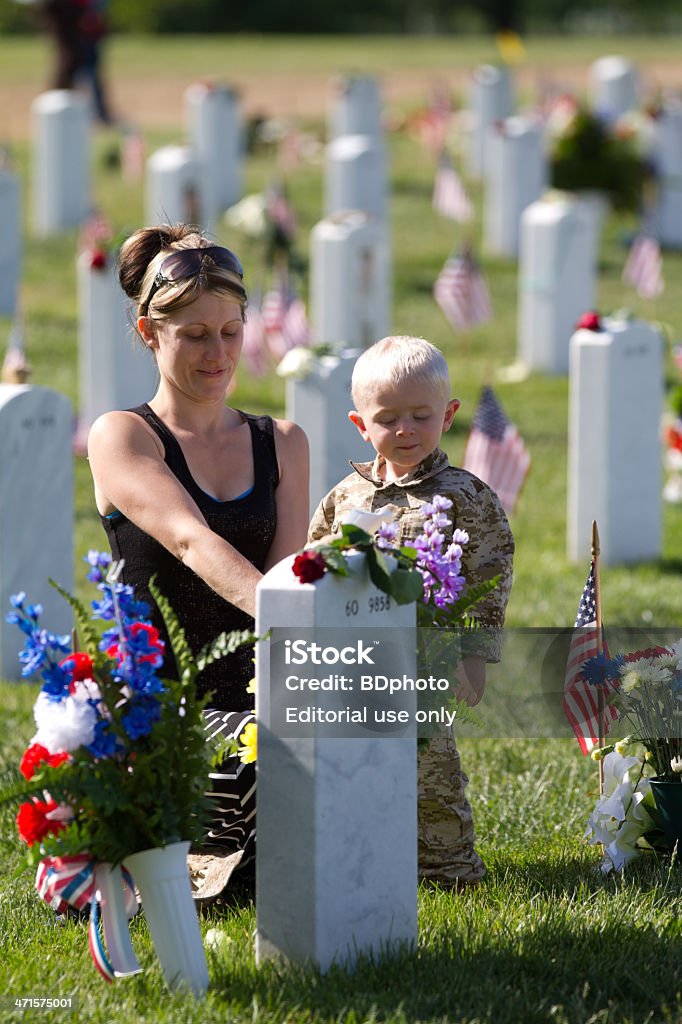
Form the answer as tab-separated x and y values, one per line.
128	468
293	510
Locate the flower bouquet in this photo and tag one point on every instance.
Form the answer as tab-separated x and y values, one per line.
119	763
589	153
645	687
427	571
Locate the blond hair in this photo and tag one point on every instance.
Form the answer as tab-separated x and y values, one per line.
396	359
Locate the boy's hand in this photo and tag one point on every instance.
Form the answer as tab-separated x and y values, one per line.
470	680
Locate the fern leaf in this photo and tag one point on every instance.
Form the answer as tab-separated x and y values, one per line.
88	636
184	658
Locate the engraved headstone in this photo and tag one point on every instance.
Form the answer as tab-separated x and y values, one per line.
491	100
355	107
516	175
557	278
336	869
60	161
216	138
615	473
10	241
355	176
36	509
173	186
613	87
115	371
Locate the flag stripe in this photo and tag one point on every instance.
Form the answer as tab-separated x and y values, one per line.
580	699
495	451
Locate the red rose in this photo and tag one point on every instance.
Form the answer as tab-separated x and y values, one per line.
309	566
35	755
589	322
33	823
98	259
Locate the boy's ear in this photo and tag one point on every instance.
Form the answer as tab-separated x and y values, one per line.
357	419
450	410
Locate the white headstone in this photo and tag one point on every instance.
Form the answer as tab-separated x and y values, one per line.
557	278
173	186
350	280
61	161
320	403
490	100
355	107
336	855
516	175
115	370
615	471
613	87
10	242
36	510
355	176
667	156
216	137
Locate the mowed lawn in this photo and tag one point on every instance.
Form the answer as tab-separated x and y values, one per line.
546	938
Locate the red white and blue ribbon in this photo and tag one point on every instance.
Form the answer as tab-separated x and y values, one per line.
78	882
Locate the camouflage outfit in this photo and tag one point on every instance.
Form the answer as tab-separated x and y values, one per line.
446	834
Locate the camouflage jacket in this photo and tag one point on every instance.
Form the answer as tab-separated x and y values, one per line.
475	508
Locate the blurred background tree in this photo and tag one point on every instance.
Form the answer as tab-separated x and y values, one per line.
385	16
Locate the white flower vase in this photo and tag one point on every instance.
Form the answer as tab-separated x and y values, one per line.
162	877
116	909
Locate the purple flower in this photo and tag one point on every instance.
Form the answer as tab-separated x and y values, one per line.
386	535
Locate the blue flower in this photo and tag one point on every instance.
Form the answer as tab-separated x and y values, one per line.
99	562
17	600
105	743
57	682
602	670
141	717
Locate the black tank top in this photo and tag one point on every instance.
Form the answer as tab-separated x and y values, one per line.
247	522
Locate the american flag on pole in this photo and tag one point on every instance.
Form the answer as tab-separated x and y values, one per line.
449	195
462	293
495	451
581	699
644	267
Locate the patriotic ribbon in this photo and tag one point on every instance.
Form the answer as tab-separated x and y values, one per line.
78	882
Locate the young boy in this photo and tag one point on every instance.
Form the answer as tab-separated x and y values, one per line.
401	392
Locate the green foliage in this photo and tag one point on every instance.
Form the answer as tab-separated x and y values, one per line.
591	156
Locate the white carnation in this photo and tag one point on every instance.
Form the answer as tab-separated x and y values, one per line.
63	725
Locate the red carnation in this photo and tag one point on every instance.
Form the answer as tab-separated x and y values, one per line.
153	640
309	566
98	259
589	322
81	664
35	755
33	823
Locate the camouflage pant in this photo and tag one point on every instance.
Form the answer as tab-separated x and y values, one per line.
445	820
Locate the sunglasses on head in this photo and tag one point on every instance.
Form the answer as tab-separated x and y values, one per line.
185	263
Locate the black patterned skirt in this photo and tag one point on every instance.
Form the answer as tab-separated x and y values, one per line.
232	790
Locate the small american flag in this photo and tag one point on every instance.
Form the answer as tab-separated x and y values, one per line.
254	347
95	230
132	156
449	195
677	357
462	293
495	451
581	700
295	329
644	267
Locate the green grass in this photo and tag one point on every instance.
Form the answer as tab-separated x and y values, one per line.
546	938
